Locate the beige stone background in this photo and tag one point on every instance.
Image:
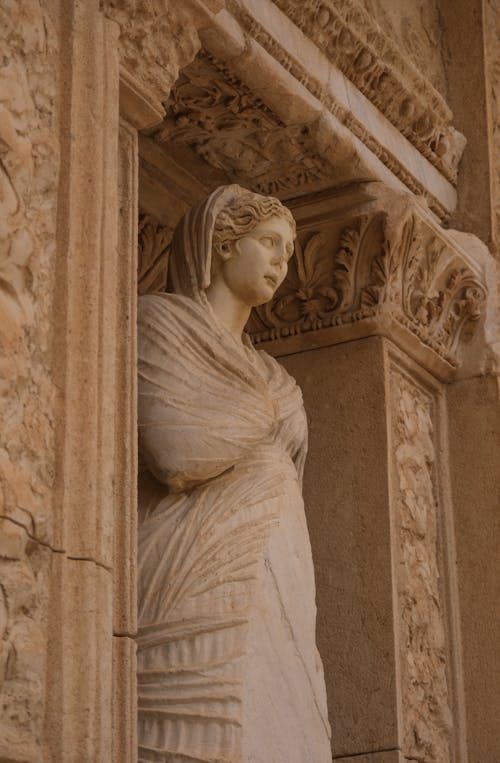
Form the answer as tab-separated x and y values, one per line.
403	478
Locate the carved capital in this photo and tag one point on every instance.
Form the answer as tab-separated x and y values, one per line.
381	266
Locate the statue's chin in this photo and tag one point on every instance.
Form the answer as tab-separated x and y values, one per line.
256	300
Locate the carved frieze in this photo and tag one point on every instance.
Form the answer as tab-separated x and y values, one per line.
217	125
350	39
384	269
423	648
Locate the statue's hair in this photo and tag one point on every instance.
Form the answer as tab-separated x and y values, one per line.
241	216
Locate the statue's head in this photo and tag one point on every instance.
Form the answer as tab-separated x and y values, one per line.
235	235
252	242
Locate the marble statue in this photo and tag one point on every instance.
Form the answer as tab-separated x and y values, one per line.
228	669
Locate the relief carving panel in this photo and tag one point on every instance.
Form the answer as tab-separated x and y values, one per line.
423	651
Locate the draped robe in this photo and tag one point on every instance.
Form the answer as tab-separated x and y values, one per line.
228	670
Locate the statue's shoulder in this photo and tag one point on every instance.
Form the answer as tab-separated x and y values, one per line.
276	370
157	304
161	300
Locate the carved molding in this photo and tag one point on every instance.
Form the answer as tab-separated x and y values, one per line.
352	41
389	158
214	121
423	647
382	269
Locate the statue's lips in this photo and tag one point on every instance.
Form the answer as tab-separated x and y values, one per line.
272	279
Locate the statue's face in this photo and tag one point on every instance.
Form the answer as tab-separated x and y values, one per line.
256	264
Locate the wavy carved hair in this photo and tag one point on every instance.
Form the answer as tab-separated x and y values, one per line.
241	216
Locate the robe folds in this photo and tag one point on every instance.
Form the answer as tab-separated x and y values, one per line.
228	670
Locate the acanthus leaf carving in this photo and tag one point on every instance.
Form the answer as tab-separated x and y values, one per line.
374	267
217	122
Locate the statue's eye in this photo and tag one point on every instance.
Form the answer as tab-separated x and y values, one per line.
267	241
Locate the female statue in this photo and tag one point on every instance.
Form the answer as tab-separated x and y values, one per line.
228	669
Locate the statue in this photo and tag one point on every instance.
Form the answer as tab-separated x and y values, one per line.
228	669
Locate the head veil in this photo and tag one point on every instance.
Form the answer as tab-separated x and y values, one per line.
190	258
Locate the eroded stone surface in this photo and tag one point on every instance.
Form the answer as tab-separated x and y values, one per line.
28	184
24	567
414	27
157	39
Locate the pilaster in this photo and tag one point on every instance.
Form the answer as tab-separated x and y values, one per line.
79	665
474	444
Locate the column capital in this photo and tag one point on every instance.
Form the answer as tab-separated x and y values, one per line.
372	261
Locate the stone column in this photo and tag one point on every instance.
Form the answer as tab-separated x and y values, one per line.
379	311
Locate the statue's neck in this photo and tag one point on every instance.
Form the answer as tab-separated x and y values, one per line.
229	309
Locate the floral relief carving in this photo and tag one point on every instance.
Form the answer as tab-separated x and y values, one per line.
321	287
368	269
427	718
153	249
218	120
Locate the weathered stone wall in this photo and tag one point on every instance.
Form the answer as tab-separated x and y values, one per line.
28	193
